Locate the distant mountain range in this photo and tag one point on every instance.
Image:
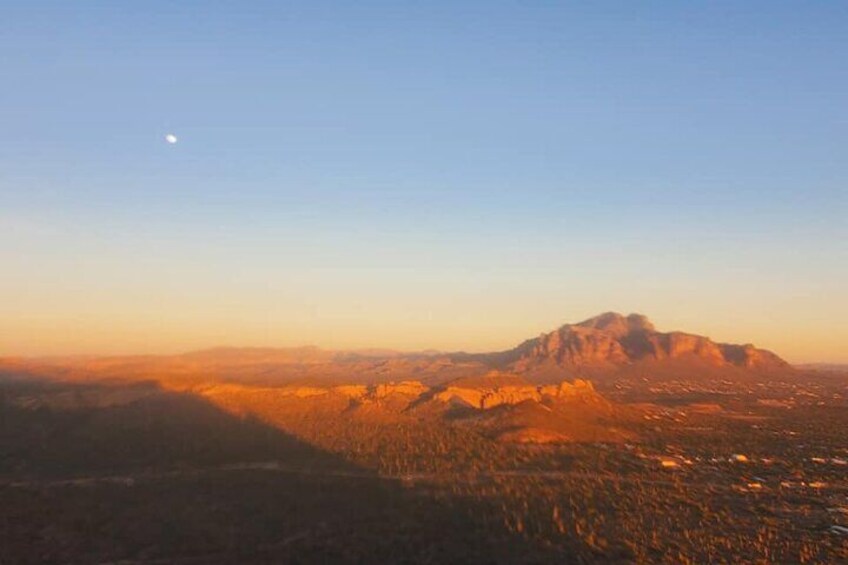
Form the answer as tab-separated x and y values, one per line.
604	345
559	387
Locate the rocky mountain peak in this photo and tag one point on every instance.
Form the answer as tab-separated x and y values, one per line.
613	339
617	324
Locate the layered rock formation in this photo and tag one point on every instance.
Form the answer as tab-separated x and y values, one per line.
482	393
499	405
485	396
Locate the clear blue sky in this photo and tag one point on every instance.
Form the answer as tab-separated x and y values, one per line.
459	175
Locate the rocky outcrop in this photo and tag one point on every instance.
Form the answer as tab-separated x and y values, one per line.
485	397
613	340
490	391
750	357
359	393
565	390
502	406
405	388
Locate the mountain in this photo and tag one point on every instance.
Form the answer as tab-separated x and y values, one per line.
611	341
608	344
562	386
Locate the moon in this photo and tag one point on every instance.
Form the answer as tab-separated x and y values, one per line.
171	138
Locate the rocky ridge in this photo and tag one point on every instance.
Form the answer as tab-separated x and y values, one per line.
482	393
485	398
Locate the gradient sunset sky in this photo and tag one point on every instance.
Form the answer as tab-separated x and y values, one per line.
452	175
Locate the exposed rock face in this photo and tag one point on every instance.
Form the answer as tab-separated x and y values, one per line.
749	356
405	388
565	390
495	389
617	325
351	391
359	393
499	405
612	339
486	397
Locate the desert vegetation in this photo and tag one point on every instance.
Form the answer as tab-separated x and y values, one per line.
679	452
136	472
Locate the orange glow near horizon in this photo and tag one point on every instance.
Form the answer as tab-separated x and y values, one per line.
441	177
172	334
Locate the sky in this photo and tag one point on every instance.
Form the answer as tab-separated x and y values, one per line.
450	175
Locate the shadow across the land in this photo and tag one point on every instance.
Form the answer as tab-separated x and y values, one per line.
94	473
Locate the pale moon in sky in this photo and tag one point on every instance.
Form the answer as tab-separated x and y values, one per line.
171	138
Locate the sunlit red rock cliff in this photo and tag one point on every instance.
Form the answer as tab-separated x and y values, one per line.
614	340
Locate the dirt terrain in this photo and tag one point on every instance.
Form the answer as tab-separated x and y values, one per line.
195	460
